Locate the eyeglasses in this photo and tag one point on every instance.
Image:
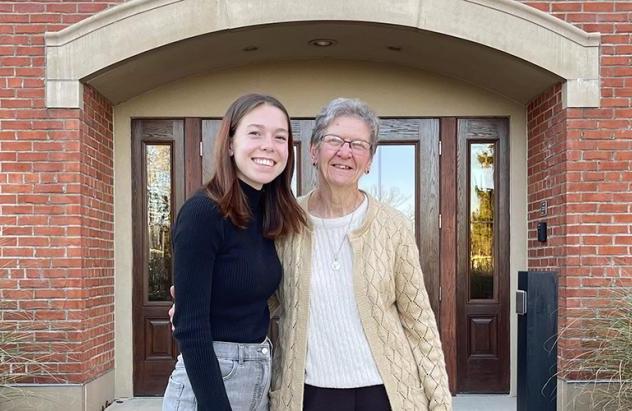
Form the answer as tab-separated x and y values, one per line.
357	146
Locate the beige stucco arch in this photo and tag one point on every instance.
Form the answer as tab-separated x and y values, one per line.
501	45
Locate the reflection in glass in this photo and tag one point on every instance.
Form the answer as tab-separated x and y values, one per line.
158	168
482	220
392	178
294	186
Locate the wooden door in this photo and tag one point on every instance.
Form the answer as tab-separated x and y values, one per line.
482	256
166	169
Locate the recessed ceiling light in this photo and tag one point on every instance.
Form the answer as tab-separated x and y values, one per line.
250	48
322	42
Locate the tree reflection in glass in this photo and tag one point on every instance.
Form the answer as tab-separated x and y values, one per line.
392	178
158	168
482	221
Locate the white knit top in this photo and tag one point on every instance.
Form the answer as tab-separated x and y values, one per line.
338	353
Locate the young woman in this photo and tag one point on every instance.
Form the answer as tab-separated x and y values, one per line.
225	263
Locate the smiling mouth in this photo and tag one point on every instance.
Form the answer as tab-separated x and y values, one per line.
264	162
341	167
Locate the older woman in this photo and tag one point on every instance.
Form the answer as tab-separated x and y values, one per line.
356	330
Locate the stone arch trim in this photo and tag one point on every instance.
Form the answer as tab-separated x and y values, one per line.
139	26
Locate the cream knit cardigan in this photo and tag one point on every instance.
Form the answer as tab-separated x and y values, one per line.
394	309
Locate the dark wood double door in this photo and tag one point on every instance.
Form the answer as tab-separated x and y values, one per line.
449	176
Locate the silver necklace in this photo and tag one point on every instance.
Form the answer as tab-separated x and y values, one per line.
335	264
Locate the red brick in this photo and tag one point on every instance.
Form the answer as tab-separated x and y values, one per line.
612	229
30	157
17	294
50	315
581	17
91	8
61	8
46	18
623	28
597	240
565	6
543	6
623	155
613	250
30	28
13	18
615	39
623	49
598	7
615	102
600	27
613	17
623	240
623	6
7	156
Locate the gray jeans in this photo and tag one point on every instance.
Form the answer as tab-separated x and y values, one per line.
246	372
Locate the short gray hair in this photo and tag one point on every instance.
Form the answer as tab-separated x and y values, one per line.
350	107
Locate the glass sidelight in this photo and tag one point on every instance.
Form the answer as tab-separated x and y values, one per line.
481	218
158	167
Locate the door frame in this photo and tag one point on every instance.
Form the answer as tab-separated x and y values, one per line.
185	177
447	239
449	242
447	310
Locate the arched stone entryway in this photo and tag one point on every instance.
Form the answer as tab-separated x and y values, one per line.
119	50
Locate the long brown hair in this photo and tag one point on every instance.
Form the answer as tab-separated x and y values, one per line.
281	213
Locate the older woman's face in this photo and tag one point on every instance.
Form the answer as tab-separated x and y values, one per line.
343	165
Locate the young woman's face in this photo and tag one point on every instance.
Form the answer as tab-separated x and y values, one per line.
260	145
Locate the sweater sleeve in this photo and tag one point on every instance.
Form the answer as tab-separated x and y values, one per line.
198	234
419	323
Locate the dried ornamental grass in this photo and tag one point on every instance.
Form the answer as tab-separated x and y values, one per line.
606	354
20	359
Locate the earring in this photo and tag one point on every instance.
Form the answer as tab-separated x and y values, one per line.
367	171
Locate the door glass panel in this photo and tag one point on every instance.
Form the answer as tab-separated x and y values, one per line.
392	178
297	166
482	159
159	206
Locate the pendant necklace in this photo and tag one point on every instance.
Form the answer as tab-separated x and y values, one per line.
335	264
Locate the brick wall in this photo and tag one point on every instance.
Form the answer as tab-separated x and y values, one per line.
56	218
581	162
97	232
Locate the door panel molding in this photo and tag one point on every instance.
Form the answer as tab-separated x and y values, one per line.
483	356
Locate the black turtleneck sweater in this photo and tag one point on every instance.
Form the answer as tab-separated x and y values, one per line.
224	276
